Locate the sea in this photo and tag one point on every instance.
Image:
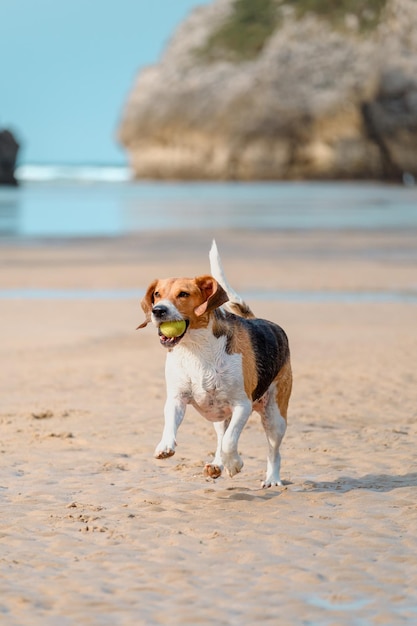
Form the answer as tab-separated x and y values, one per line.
54	203
61	202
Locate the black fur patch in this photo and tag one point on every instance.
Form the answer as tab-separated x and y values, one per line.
269	343
270	346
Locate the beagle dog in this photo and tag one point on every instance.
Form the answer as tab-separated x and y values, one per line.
226	364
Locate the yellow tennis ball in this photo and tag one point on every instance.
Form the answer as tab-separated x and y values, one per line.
173	329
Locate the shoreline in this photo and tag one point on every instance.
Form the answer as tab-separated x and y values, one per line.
280	261
407	296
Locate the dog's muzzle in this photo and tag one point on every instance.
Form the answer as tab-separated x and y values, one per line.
162	313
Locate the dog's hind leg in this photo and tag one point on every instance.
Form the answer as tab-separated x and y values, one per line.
275	426
215	468
274	420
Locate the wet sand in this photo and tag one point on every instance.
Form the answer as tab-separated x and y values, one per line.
93	530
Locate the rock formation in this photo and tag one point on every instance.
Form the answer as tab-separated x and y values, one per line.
318	101
8	156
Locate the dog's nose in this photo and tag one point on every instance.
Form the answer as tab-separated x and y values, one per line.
160	311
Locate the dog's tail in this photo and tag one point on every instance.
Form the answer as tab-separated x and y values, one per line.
236	304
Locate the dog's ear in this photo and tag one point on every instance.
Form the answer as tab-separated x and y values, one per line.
213	293
146	304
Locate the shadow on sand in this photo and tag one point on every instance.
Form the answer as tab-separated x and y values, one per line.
372	482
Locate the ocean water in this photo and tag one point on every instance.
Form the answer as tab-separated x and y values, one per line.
96	202
62	202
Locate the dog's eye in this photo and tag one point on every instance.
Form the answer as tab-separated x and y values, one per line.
156	294
183	294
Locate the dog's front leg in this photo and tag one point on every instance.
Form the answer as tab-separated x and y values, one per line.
215	468
231	458
174	413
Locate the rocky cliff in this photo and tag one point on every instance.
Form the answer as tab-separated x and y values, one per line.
318	99
8	156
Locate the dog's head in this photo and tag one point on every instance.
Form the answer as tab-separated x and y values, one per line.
181	299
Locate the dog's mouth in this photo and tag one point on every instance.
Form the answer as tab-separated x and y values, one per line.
170	342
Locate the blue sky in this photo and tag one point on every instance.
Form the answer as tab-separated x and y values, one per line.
67	66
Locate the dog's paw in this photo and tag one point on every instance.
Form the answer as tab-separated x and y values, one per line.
271	482
212	471
233	464
163	453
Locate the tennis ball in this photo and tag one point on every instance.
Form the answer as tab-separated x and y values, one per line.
173	329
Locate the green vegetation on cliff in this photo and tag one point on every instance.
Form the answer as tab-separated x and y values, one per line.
251	22
244	33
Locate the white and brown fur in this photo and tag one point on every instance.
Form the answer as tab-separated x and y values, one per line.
226	364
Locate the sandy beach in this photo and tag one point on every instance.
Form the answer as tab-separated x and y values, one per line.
95	531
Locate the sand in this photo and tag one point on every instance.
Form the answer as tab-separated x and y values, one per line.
94	531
